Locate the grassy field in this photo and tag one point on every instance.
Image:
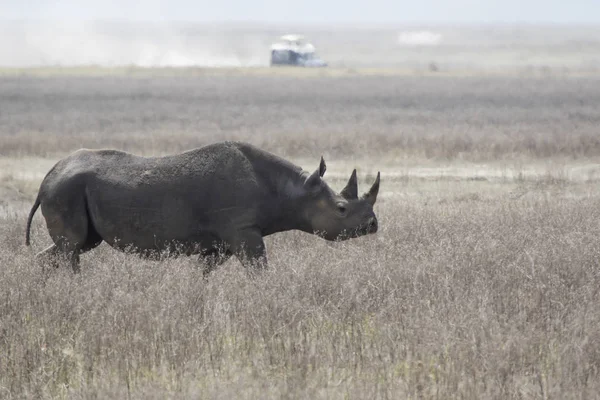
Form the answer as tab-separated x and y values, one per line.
482	283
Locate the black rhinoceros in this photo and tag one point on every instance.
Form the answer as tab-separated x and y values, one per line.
216	201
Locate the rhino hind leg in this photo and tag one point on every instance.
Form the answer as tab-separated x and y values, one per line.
54	257
48	256
72	233
92	240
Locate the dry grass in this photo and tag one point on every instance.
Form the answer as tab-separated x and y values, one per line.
473	288
462	298
290	72
442	118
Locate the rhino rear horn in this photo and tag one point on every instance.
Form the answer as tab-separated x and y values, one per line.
371	195
350	192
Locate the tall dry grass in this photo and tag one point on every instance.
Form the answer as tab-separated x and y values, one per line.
472	289
465	298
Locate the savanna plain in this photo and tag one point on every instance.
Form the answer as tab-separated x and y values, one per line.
482	282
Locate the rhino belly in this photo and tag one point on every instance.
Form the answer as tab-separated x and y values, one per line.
140	222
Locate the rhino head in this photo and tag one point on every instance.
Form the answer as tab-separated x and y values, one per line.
338	216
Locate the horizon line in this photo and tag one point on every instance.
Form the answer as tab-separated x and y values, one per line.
341	23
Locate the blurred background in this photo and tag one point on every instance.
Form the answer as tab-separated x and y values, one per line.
431	34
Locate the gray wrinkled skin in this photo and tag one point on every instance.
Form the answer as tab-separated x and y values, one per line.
215	201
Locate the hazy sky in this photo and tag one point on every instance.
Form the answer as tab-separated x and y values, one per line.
309	11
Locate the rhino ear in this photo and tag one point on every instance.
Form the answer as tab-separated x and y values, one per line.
322	167
313	181
371	195
350	192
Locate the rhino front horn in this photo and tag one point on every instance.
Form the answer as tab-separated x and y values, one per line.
371	195
350	192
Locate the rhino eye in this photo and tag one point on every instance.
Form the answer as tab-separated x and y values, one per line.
341	209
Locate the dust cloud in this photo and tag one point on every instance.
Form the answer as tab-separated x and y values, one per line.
135	44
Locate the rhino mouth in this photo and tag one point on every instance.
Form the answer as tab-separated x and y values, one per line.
367	228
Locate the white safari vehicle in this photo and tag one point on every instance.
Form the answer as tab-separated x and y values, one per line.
294	50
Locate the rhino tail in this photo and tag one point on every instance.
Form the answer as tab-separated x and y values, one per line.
31	214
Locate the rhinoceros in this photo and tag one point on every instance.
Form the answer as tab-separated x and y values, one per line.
215	201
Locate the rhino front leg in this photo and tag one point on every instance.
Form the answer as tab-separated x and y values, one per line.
249	247
213	258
